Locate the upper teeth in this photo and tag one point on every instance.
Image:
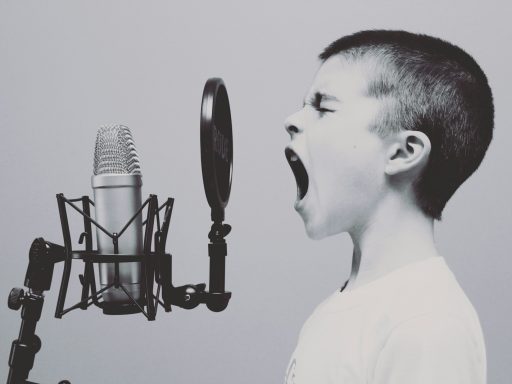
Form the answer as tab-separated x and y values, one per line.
294	158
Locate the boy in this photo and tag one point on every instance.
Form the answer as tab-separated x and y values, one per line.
393	124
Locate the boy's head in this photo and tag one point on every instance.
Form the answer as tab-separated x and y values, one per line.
388	110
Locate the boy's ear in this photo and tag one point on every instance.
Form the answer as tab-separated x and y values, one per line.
407	153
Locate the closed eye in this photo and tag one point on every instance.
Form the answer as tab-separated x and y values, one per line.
323	110
316	102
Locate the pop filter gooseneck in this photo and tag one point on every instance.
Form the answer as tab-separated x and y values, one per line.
216	146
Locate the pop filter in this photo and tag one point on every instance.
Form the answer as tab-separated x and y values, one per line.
216	146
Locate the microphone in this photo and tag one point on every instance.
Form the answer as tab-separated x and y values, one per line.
127	286
117	183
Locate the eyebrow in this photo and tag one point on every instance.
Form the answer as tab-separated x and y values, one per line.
318	97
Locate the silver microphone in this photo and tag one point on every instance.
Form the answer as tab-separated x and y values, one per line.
117	183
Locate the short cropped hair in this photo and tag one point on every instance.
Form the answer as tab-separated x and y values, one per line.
432	86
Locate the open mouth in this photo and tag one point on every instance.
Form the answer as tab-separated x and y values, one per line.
299	171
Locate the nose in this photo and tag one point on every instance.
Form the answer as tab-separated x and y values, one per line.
292	125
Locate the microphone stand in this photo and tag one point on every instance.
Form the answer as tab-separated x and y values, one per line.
42	258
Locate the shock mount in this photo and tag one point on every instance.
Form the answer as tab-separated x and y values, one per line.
157	287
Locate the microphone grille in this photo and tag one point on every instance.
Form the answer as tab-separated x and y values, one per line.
115	151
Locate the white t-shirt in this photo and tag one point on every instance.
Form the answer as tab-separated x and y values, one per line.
413	326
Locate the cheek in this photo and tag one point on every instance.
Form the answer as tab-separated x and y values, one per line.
350	175
347	187
356	160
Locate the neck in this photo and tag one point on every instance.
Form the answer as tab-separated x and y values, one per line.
398	234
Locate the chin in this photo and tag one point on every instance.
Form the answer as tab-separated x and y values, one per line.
315	235
319	231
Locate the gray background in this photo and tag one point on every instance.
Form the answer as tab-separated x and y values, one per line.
67	67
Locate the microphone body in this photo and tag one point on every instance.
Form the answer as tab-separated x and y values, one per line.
117	183
117	198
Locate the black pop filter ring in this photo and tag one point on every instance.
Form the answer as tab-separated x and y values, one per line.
216	146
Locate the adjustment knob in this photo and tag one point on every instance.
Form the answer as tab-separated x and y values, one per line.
36	344
16	297
190	299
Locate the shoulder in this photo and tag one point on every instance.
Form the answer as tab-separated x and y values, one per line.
428	287
431	348
427	330
431	331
